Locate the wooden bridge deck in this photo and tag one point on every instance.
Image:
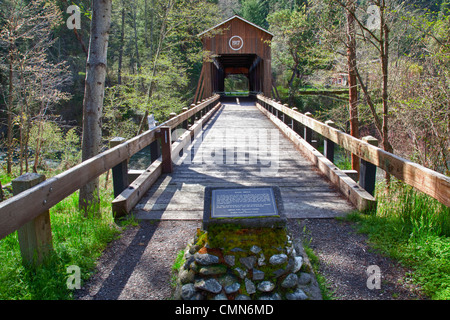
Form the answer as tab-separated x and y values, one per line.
236	127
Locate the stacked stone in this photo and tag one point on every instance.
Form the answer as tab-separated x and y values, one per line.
216	275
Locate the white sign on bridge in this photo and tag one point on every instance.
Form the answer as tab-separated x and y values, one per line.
151	122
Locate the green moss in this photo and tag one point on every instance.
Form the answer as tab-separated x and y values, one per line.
229	236
202	238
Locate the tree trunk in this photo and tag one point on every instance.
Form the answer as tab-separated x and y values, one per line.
291	85
37	152
94	95
352	81
9	116
136	47
146	24
150	51
384	57
122	36
162	36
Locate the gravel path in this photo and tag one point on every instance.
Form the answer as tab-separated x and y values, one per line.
344	258
138	265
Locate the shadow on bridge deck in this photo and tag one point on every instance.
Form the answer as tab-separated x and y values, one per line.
239	146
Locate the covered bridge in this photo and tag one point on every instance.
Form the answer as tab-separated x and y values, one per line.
235	46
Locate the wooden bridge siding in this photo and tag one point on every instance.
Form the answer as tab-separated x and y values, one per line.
180	195
256	41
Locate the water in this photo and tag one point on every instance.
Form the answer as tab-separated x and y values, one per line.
141	160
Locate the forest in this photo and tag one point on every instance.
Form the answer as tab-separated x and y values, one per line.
399	79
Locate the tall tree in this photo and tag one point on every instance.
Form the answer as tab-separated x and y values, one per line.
295	47
94	94
378	36
34	82
352	81
121	45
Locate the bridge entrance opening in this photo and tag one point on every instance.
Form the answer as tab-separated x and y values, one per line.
236	85
237	60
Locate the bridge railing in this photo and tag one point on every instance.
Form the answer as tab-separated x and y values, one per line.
426	180
31	203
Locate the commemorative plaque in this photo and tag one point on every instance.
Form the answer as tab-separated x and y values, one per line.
239	203
248	206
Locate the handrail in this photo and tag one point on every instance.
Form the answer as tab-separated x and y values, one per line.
24	207
426	180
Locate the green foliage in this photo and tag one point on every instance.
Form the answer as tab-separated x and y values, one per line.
71	149
255	11
54	144
178	261
296	50
48	134
234	83
119	111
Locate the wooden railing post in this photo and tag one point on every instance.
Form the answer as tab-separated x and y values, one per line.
155	149
166	148
192	119
185	124
308	131
35	237
296	125
367	173
286	118
328	144
119	172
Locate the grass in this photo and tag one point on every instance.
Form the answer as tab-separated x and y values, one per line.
179	261
77	240
342	160
414	229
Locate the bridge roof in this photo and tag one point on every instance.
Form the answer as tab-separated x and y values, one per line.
232	18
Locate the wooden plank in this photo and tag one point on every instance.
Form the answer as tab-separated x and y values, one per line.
123	204
426	180
358	196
